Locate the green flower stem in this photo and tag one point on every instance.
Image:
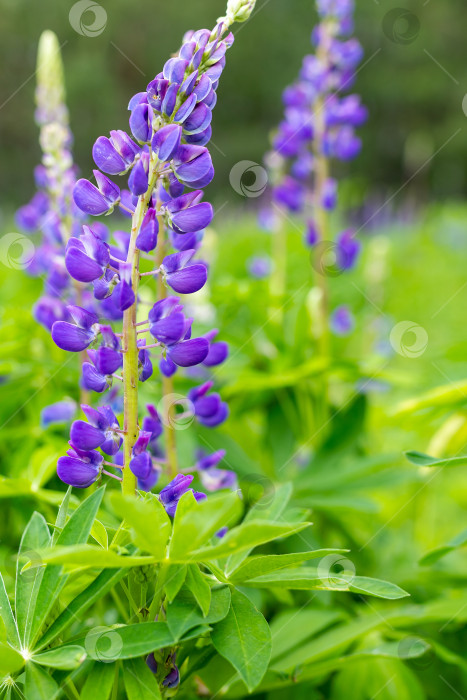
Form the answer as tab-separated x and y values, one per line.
129	342
167	382
278	280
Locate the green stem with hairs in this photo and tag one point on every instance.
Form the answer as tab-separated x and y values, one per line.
129	341
167	382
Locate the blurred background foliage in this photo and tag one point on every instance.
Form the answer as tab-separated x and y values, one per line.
412	79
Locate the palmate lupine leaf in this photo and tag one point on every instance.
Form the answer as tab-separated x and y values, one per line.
35	537
65	657
148	520
99	682
76	531
125	641
243	638
260	566
39	684
183	614
197	583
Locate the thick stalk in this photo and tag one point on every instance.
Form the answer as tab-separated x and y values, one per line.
130	346
167	382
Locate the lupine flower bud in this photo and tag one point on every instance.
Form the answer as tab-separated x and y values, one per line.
171	494
239	10
342	321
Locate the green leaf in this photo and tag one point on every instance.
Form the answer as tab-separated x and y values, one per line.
61	515
99	682
39	684
259	566
243	638
246	537
82	555
183	613
291	628
451	394
99	534
6	614
174	580
96	590
66	657
148	520
423	460
76	531
35	537
127	641
199	587
307	579
436	554
140	683
10	659
266	508
196	524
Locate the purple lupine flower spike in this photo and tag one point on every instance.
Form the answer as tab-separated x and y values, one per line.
165	161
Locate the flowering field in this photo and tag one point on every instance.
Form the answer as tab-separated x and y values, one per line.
233	430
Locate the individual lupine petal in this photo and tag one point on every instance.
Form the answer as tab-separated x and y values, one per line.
193	165
203	87
198	120
88	198
329	194
166	141
342	321
172	679
222	532
210	100
170	329
164	308
56	413
142	442
86	257
149	483
146	239
104	286
79	471
174	69
214	72
259	266
86	436
151	663
93	380
107	158
170	100
200	139
167	367
70	337
107	360
187	241
189	353
311	233
141	465
188	84
48	311
126	204
171	494
186	109
189	279
215	479
152	423
123	293
290	194
144	362
218	352
138	180
192	219
82	317
75	338
141	122
347	249
207	461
